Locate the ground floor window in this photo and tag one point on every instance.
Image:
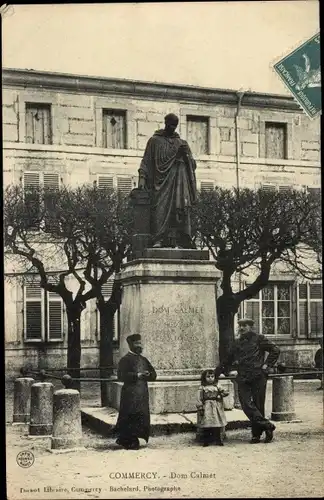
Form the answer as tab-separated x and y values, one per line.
310	306
271	309
43	314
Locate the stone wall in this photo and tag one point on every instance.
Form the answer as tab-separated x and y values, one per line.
78	156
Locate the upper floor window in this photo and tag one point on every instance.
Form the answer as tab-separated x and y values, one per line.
34	182
38	123
271	309
197	134
43	314
276	140
114	129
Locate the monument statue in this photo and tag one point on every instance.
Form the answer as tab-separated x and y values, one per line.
167	171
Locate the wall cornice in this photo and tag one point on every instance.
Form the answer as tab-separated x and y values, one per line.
161	91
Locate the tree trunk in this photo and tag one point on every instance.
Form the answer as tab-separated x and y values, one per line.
107	311
227	307
74	346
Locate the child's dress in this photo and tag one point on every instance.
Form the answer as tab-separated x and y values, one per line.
210	398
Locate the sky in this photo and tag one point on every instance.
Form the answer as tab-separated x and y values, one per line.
229	45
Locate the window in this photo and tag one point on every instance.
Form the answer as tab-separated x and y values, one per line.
197	134
271	309
276	140
38	123
34	182
114	129
310	301
106	292
43	314
105	182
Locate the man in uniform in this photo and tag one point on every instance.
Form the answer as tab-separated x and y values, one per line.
248	352
167	171
134	412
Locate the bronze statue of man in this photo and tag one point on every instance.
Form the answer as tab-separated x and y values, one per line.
167	170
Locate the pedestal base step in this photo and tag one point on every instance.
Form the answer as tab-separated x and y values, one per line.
103	420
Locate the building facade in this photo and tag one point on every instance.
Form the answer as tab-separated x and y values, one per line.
67	129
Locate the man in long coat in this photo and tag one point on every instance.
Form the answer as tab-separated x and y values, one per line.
134	412
167	171
253	367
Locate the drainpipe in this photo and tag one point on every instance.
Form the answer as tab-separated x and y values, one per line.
240	95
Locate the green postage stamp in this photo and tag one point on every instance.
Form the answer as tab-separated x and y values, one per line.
301	72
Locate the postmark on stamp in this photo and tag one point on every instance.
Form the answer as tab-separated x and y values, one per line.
300	70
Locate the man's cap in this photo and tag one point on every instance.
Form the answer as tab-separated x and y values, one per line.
245	321
133	338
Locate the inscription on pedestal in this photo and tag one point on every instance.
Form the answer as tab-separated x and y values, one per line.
178	309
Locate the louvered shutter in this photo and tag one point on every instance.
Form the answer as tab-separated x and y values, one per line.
124	185
106	292
32	198
51	186
114	129
303	310
105	182
284	189
33	312
206	185
316	309
54	316
268	188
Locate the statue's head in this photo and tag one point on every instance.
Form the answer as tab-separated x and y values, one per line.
171	122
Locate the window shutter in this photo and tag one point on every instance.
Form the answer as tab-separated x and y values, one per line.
124	185
316	310
55	316
206	185
106	290
302	306
275	140
268	188
197	134
51	181
32	197
284	189
38	123
105	182
114	129
253	312
33	312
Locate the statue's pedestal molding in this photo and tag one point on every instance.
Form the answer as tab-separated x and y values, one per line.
171	303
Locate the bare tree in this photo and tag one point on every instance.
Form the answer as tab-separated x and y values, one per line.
255	228
79	233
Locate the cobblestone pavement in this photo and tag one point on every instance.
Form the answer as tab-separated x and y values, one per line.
291	466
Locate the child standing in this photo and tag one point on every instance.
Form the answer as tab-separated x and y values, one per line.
211	415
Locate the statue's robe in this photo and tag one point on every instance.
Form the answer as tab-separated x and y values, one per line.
134	411
172	183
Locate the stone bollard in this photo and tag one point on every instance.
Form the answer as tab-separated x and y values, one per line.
41	408
22	393
67	430
283	406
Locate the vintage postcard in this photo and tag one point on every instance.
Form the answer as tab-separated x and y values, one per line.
163	250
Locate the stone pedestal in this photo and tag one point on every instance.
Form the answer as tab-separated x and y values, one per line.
283	405
171	303
41	411
21	406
